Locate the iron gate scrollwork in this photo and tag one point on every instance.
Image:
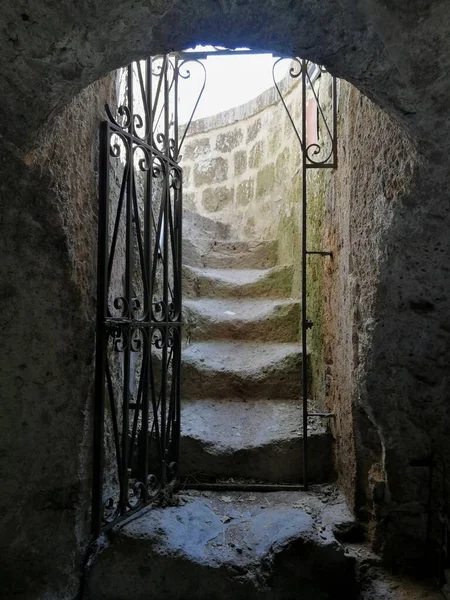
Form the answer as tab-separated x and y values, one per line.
138	330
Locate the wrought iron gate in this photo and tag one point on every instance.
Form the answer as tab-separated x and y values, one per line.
138	344
138	331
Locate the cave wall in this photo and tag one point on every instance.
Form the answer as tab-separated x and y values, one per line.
48	256
375	182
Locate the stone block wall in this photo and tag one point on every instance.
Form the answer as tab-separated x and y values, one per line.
240	166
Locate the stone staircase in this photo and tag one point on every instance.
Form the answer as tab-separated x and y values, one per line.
241	419
241	393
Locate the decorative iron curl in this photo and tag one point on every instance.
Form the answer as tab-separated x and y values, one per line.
136	342
161	139
172	149
186	75
171	335
159	338
115	149
145	162
108	506
138	124
175	179
174	312
314	150
158	310
157	167
135	305
120	340
144	491
121	303
139	490
294	75
292	69
157	65
123	111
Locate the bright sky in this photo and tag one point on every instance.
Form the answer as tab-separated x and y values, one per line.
230	81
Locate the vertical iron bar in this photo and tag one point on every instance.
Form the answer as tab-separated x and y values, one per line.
180	307
151	257
178	213
165	209
175	110
334	103
101	335
128	297
147	333
304	275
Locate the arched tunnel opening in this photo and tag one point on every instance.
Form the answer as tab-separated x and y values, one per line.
388	289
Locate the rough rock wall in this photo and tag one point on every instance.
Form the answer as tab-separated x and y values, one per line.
374	182
48	257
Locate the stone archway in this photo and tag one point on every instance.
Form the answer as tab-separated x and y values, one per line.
392	372
390	53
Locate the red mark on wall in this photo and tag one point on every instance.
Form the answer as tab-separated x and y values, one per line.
312	136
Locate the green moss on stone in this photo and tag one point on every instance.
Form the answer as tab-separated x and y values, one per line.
265	180
256	155
318	185
274	143
283	167
289	228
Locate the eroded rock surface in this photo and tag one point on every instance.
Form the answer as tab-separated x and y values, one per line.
229	545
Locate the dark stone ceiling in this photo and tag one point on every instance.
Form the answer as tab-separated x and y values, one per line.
397	52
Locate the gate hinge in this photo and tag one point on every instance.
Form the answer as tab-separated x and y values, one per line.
309	324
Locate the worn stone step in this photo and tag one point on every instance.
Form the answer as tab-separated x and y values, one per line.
229	545
229	254
197	226
252	439
252	320
275	282
241	370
